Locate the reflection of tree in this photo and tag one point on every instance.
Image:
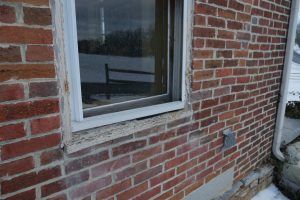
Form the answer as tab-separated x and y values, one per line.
297	40
133	43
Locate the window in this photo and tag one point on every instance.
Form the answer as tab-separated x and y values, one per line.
125	59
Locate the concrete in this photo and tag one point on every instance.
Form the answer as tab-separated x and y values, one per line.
214	188
291	130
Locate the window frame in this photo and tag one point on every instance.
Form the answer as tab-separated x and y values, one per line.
79	123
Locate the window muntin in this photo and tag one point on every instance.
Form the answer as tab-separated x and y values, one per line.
126	54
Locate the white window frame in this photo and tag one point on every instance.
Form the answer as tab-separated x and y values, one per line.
79	123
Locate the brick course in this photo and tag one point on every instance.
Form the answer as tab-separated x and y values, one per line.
237	60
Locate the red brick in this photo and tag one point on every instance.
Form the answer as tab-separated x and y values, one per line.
234	25
216	22
30	194
176	162
39	53
113	190
227	14
64	183
147	174
218	2
59	197
90	187
48	157
7	14
149	194
32	2
156	180
86	161
10	54
16	167
110	166
11	92
25	35
203	54
28	109
204	32
130	171
37	16
142	155
203	75
173	182
27	146
165	195
126	148
27	180
161	158
174	143
133	192
44	125
13	131
26	71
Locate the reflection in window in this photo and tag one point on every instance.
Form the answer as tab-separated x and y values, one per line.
123	50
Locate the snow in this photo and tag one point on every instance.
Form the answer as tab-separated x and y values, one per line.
270	193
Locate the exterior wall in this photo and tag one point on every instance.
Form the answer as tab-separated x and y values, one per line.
238	50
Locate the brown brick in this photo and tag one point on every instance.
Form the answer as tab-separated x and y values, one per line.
149	194
48	157
27	180
130	171
126	148
25	35
11	92
161	158
43	89
142	155
27	146
10	54
37	16
26	71
216	22
32	2
28	109
16	167
39	53
64	183
110	166
13	131
173	182
44	125
149	173
204	32
7	14
86	161
30	194
156	180
114	189
133	191
90	187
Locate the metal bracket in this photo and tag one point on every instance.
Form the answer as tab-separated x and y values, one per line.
229	139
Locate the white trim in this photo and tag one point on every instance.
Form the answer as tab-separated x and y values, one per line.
285	80
78	122
72	56
111	118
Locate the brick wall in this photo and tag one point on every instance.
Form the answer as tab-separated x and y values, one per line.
238	50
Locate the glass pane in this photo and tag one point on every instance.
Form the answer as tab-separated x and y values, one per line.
291	129
122	50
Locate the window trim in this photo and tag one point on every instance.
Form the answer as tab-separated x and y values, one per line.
72	59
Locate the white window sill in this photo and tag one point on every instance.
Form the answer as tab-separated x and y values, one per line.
87	138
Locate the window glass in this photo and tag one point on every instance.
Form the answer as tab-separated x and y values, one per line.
123	50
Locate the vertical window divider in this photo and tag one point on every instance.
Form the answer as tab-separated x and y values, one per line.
73	60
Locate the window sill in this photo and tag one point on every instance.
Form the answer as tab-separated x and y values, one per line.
87	138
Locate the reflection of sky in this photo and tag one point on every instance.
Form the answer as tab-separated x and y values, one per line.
119	15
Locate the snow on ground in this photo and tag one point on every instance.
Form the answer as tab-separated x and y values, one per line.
270	193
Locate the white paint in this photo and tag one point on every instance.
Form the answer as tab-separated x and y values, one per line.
285	83
270	193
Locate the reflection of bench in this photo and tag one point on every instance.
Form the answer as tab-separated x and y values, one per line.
110	79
